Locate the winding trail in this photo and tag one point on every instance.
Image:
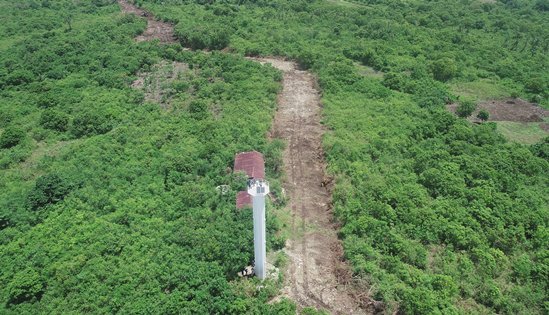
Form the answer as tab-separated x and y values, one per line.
159	30
316	273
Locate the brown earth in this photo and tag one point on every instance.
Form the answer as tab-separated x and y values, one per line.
162	31
317	275
514	109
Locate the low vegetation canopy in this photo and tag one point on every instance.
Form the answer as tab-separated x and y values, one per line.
108	203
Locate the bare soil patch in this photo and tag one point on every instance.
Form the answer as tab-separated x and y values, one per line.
317	276
514	109
155	29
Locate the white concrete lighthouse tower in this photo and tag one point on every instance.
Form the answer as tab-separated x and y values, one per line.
253	165
258	189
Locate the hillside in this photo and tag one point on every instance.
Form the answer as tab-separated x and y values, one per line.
115	133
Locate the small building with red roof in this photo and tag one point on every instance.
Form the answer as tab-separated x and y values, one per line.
253	165
243	200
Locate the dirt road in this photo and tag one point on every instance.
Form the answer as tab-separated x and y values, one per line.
162	31
315	269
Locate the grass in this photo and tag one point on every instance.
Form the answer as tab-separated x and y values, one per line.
369	72
525	133
481	90
6	43
284	214
348	4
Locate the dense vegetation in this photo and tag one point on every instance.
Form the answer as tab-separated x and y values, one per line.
441	216
108	203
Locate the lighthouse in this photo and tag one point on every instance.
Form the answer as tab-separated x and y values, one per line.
258	189
253	165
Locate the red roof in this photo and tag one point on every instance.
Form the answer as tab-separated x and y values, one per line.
243	199
251	163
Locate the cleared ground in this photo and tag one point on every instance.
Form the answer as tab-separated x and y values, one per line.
517	119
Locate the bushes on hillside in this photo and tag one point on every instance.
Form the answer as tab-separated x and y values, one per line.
54	120
48	189
483	115
444	69
27	285
89	123
199	37
466	109
11	137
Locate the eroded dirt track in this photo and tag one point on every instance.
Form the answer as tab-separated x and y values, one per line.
162	31
315	266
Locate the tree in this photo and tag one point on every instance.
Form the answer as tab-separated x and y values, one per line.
466	108
541	149
25	286
54	120
198	109
11	137
19	77
536	85
483	115
444	69
90	123
49	189
542	5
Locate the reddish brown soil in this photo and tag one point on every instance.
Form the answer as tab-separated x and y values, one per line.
317	276
155	29
516	110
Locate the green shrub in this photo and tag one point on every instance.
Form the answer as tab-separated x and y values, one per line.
49	189
27	285
11	137
444	69
396	81
5	118
483	115
466	108
197	37
536	85
19	77
90	123
542	5
198	109
54	120
541	149
313	311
